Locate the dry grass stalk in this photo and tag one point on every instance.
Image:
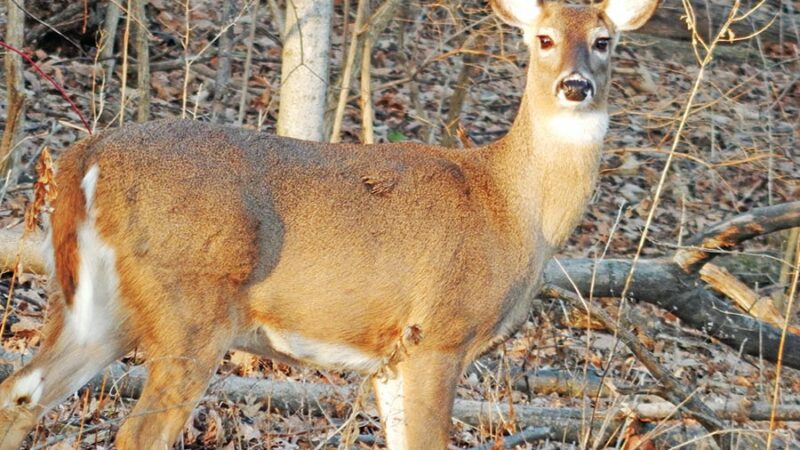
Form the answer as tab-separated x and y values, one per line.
124	77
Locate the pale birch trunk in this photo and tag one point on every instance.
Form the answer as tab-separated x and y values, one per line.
304	72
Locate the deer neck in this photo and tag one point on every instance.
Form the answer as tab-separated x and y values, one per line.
548	166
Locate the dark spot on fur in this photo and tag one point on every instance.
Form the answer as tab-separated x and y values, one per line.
456	174
132	194
23	400
378	185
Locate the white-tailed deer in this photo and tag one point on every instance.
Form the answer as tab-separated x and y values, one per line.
186	239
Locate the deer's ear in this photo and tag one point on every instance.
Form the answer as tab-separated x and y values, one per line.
629	15
518	13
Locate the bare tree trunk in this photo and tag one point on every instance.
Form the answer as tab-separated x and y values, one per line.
452	125
110	30
15	85
248	61
143	62
224	63
277	16
348	70
304	71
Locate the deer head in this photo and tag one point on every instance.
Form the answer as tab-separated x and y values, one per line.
570	47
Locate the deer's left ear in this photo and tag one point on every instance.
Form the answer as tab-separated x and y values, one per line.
629	15
518	13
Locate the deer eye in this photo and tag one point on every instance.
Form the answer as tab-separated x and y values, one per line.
601	44
545	42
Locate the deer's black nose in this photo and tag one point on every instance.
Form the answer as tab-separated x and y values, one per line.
576	89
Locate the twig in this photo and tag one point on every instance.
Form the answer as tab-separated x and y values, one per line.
37	30
706	60
187	61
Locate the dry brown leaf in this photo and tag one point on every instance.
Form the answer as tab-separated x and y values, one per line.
245	362
44	190
640	443
579	319
742	381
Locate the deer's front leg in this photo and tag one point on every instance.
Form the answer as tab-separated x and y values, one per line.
416	400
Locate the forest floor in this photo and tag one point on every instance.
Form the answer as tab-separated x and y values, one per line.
739	150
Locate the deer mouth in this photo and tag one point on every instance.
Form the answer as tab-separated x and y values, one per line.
575	90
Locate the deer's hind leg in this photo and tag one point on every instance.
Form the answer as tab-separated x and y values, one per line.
86	327
184	334
61	366
174	386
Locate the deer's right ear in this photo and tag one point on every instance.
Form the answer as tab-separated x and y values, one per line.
518	13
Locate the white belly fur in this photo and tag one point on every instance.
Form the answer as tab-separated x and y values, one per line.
322	354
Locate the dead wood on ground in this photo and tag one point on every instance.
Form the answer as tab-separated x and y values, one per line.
567	424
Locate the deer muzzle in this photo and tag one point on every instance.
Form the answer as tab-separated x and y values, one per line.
575	89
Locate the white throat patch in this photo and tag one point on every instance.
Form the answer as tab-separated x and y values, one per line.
576	127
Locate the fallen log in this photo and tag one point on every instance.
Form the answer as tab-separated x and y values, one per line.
664	284
674	284
291	397
552	381
29	250
556	424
